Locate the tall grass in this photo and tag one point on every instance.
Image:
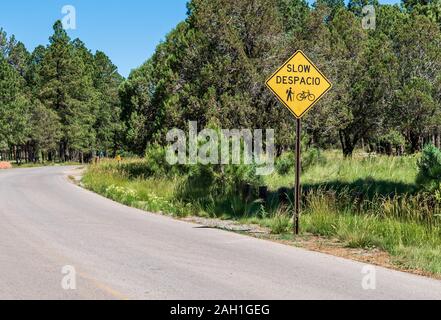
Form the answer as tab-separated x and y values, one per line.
388	231
368	174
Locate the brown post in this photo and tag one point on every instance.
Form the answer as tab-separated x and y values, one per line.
298	169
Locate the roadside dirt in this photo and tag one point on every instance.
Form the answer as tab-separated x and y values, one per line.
227	225
75	175
374	256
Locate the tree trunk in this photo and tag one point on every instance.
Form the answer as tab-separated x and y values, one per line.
415	142
437	138
348	146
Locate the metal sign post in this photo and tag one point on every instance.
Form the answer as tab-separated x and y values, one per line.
299	85
298	190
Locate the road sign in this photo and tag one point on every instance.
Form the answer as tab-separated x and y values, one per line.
299	84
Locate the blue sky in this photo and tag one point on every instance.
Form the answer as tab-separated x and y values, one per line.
126	30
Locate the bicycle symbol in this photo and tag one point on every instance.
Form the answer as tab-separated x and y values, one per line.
306	95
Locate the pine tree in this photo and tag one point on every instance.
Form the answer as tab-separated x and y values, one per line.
66	86
14	108
106	81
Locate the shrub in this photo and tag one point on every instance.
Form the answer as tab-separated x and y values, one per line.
394	137
157	165
132	169
198	184
238	175
205	181
156	161
285	163
429	175
311	158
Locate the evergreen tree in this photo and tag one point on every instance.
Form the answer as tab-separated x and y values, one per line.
418	46
106	82
14	108
66	86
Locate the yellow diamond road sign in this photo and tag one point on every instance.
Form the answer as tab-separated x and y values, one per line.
299	84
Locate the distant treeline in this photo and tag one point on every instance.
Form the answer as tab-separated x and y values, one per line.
63	102
59	102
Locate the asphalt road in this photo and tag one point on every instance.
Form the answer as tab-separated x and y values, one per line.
47	223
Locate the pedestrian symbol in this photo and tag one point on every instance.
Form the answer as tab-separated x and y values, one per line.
289	94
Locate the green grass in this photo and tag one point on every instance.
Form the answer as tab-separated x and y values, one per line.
363	202
151	194
413	245
374	175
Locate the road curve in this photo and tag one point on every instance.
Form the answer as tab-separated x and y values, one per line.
47	223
